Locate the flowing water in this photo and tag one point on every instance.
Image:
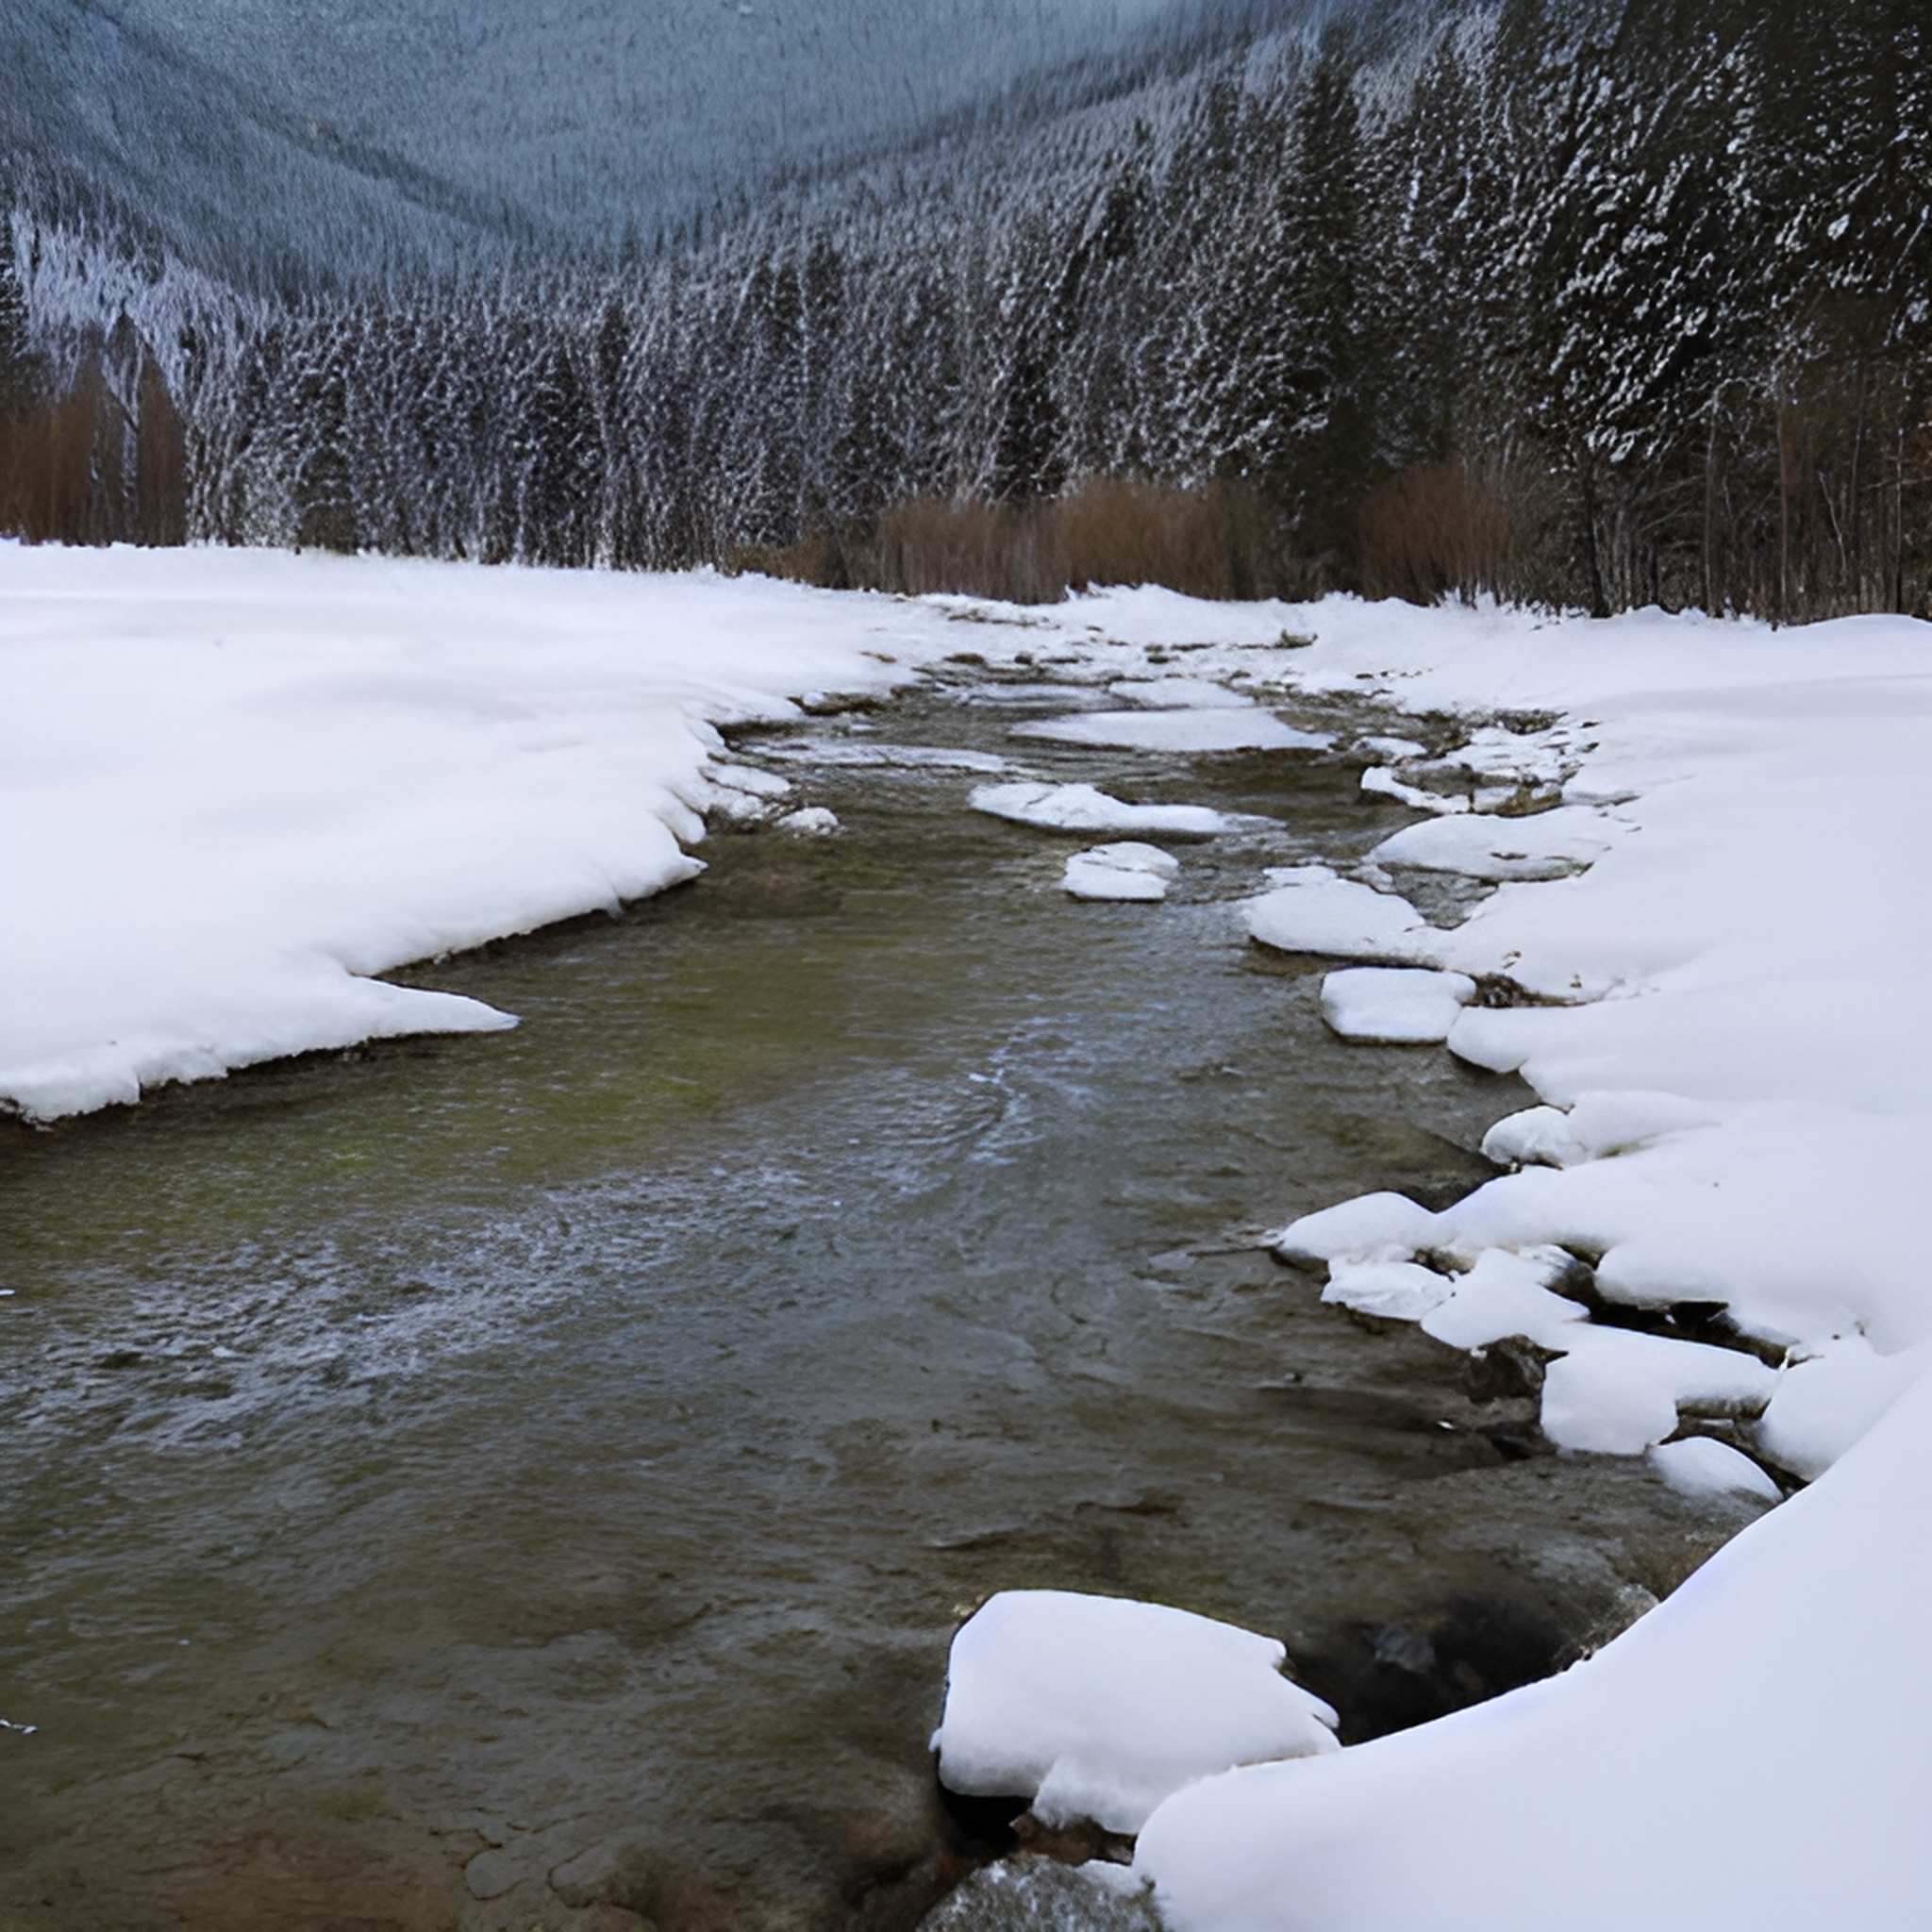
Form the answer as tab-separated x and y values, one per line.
533	1479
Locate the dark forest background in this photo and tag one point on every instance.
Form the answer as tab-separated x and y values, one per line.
1585	302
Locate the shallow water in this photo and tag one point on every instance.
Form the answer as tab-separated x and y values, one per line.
533	1479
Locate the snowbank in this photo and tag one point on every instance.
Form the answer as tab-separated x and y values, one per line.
235	784
1752	1753
1724	1015
1097	1706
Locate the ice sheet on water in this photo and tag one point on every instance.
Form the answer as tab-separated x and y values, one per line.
1395	1004
1101	1707
1085	808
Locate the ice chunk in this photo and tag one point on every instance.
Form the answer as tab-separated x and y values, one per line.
1216	728
1701	1466
813	822
1100	1707
1401	1291
1083	808
1124	871
1400	1005
1371	1227
1507	1292
1316	912
1394	749
1545	845
1824	1405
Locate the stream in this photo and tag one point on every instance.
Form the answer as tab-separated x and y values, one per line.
532	1479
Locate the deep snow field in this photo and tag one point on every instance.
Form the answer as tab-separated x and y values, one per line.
237	785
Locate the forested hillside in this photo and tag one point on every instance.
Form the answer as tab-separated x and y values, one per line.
1596	303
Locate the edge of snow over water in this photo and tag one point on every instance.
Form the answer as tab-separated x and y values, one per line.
236	783
1734	1010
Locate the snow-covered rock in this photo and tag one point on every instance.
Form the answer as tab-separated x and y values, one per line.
1099	1708
1597	1125
1312	910
1400	1290
811	821
1127	870
1370	1228
1395	1005
1701	1466
1543	845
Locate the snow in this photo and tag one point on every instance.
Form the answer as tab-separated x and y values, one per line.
1701	1466
1401	1006
1785	1684
1540	846
1124	871
1085	808
1212	728
1099	1708
1311	910
1723	1003
237	784
1370	1228
1179	694
1401	1291
812	822
1597	1125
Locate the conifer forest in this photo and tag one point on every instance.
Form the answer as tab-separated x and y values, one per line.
1593	303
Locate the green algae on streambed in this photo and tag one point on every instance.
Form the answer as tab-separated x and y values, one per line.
533	1478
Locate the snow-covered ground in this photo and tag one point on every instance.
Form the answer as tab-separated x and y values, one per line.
236	785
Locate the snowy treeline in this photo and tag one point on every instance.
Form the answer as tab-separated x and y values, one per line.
1594	302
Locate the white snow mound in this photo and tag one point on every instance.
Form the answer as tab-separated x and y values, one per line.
1124	871
1370	1228
1310	910
1099	1708
1701	1466
1545	845
1395	1004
